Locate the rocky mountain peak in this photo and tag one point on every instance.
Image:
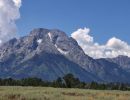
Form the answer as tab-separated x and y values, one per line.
122	56
38	32
49	53
42	33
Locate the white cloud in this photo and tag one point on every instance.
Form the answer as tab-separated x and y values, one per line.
113	48
17	3
9	13
84	36
117	44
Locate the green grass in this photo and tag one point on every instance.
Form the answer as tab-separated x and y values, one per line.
47	93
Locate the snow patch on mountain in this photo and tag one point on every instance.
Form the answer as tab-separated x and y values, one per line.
39	41
49	34
61	51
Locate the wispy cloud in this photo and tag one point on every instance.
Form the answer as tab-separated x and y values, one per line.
113	48
9	13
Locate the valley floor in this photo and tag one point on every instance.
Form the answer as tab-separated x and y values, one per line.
47	93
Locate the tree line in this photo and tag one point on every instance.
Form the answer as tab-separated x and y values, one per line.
68	81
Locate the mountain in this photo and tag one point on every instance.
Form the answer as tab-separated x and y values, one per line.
50	53
112	72
122	61
40	54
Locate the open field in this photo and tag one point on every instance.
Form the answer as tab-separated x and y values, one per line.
47	93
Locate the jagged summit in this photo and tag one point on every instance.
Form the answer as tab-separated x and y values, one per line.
122	56
43	31
38	32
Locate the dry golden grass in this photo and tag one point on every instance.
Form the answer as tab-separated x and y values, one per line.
47	93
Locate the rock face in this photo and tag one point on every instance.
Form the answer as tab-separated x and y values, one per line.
123	61
112	72
49	54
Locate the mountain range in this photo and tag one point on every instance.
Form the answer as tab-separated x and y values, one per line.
50	53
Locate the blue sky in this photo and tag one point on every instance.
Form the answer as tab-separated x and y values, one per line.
105	18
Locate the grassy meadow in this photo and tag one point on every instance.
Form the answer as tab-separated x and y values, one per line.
48	93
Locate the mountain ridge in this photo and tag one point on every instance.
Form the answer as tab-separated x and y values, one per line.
50	53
